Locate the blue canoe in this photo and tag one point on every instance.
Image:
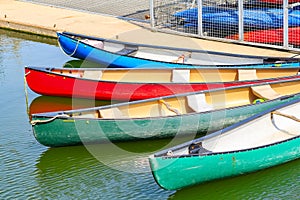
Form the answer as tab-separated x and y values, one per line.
112	53
255	18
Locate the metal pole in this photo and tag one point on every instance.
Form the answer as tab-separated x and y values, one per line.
200	29
285	24
241	20
152	20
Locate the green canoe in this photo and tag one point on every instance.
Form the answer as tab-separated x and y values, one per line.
177	115
264	140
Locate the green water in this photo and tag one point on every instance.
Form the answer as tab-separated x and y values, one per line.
104	171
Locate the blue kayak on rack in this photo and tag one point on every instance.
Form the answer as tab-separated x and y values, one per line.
221	17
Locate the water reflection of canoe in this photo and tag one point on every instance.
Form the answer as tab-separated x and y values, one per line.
178	115
261	141
61	159
134	84
112	53
271	36
100	169
50	104
228	18
81	64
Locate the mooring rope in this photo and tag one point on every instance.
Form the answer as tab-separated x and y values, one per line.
62	49
34	122
169	106
26	92
285	115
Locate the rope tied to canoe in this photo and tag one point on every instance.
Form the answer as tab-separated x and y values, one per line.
285	115
169	107
66	53
38	121
181	58
26	92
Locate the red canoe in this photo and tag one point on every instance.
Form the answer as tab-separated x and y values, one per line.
270	36
134	84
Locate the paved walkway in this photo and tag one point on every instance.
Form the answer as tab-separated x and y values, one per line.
135	9
46	20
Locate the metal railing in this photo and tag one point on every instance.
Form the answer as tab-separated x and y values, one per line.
267	23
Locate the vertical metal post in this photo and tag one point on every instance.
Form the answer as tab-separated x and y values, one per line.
152	20
285	24
200	29
241	20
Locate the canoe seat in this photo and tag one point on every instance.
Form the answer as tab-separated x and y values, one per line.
180	75
111	113
127	50
88	115
265	91
198	103
95	43
247	74
94	75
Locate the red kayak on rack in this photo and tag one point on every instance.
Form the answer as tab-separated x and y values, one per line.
134	84
270	36
278	1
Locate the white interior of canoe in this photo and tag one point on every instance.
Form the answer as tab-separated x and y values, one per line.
256	133
167	55
178	75
194	103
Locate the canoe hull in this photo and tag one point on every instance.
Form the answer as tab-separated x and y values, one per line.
74	131
198	169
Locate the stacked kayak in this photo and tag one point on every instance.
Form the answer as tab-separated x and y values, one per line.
271	36
228	18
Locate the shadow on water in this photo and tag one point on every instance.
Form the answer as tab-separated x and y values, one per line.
29	36
278	182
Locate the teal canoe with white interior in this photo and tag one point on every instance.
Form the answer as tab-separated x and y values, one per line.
264	140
